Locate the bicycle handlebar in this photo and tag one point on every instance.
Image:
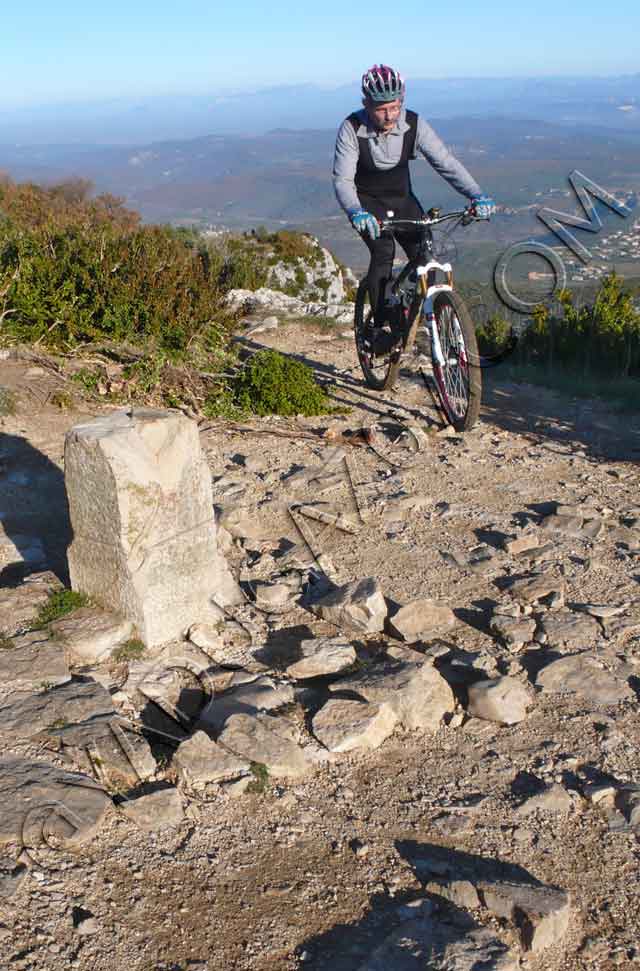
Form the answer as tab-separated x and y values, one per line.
427	221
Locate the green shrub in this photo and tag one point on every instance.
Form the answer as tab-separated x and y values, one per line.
59	603
74	271
272	384
601	338
260	781
493	336
130	650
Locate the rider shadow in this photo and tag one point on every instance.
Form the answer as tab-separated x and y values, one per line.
34	513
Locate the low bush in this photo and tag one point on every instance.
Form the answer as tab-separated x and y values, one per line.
59	603
273	384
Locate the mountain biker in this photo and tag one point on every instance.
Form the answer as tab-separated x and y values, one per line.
371	172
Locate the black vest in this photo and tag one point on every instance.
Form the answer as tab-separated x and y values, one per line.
383	189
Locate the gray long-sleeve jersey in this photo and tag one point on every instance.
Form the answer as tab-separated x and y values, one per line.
386	150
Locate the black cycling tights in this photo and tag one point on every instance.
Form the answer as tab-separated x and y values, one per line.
381	266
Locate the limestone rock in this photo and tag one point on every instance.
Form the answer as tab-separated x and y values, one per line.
266	740
513	631
19	605
140	503
260	694
357	606
504	700
540	913
521	544
25	714
207	637
547	911
414	690
343	725
152	811
421	619
199	760
569	525
31	661
530	589
426	943
553	798
39	798
582	674
563	627
90	634
322	656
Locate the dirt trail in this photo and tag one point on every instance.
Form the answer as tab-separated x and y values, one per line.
313	874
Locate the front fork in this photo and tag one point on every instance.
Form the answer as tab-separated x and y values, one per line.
429	289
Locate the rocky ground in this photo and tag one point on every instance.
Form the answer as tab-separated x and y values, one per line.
416	745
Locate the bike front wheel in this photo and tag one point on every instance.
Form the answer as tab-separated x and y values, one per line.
456	361
379	363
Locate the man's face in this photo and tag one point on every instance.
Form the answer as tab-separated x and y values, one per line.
383	115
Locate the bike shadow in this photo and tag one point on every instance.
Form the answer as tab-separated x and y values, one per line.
349	390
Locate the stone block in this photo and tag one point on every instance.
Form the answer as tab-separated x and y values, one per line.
144	533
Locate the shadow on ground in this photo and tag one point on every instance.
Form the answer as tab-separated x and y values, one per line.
349	947
34	514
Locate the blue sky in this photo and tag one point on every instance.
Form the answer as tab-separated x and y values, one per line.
67	51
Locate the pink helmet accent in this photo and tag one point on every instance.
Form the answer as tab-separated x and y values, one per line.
382	83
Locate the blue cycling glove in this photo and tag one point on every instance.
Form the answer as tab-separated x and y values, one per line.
364	223
482	207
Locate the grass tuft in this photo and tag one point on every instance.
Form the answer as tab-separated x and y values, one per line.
60	602
130	650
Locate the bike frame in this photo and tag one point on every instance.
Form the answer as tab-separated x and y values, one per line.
427	275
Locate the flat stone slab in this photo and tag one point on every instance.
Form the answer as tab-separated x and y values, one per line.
356	606
266	740
90	634
421	619
33	660
583	675
529	589
342	725
563	627
199	760
39	797
157	810
20	605
426	943
25	714
260	694
558	523
513	630
540	914
322	656
504	700
553	799
414	690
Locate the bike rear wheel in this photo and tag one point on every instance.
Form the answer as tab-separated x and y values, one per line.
380	366
457	374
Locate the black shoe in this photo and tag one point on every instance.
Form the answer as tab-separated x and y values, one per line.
384	339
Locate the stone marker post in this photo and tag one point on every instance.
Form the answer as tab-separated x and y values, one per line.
144	533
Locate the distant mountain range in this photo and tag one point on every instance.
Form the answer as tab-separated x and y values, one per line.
520	139
597	102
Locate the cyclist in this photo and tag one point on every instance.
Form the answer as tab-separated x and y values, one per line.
371	172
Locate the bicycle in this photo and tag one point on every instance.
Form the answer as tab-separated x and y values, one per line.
413	298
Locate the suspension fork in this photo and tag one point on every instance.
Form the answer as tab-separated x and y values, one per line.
428	290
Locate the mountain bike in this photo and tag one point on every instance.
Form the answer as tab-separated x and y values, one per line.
415	303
